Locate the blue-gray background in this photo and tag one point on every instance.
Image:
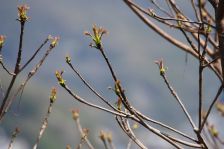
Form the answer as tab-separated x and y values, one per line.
132	49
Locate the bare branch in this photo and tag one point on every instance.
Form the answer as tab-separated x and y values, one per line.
6	69
90	87
173	92
211	106
14	135
184	142
33	56
90	104
126	128
83	135
45	121
16	70
29	76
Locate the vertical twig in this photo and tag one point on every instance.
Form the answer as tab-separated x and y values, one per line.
14	135
83	134
201	68
200	81
195	10
16	70
45	121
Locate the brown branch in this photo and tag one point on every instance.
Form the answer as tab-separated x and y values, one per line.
90	104
184	142
126	128
45	121
33	56
219	17
200	80
212	61
160	8
164	20
195	10
91	88
165	126
210	107
14	135
29	76
5	68
16	70
83	135
161	135
173	92
208	15
169	38
160	31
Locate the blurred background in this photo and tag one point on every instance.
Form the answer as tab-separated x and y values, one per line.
132	49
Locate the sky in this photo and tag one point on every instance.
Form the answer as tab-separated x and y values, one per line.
132	49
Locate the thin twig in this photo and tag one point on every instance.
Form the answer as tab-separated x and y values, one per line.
153	15
92	89
123	124
80	143
209	15
45	121
16	70
166	126
186	22
6	69
14	135
126	103
92	105
205	133
160	8
33	56
195	10
185	142
200	79
212	61
169	38
129	130
210	107
172	91
108	64
158	133
200	10
121	93
29	76
201	68
169	7
83	135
